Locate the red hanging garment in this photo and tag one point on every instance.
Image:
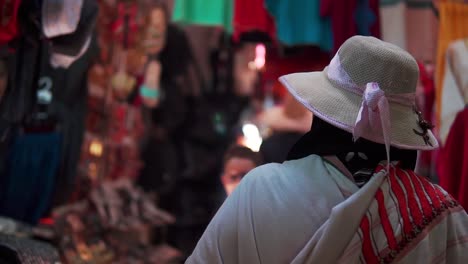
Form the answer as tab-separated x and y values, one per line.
344	19
453	160
8	20
251	15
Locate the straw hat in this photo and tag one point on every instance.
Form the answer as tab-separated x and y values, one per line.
368	89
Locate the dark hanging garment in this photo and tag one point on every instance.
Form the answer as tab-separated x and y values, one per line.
19	96
27	187
69	106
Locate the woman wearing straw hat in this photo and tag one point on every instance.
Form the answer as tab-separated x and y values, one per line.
347	194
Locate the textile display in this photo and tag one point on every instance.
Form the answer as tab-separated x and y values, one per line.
18	98
251	15
204	12
299	23
27	187
349	18
452	26
452	165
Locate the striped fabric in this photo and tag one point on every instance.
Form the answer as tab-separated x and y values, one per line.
410	220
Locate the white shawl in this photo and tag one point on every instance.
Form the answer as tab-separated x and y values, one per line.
301	211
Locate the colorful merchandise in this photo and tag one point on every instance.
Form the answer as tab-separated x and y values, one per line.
204	12
452	26
352	17
298	23
123	35
251	15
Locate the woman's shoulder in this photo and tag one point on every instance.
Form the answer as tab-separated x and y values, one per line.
279	172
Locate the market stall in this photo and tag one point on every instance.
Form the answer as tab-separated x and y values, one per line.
115	115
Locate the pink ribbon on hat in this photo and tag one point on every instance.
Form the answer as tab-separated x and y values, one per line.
374	113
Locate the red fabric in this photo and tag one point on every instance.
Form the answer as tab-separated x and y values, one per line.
385	220
119	24
423	200
138	101
453	160
405	187
367	249
8	20
402	201
415	212
429	91
342	19
251	15
342	15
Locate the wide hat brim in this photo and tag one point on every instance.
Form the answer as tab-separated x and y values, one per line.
340	108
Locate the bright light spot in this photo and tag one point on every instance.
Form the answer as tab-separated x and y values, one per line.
95	148
252	138
260	52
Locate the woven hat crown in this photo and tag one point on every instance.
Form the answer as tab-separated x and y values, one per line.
368	59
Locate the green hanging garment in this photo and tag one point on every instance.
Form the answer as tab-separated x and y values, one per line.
204	12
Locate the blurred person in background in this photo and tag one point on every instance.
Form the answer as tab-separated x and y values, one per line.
238	161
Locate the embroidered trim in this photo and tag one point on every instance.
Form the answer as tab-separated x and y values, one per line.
419	204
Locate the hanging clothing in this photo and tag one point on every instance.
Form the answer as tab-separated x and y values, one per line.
27	187
452	100
251	15
69	105
452	163
367	18
298	23
204	12
310	211
18	98
453	18
352	17
9	20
